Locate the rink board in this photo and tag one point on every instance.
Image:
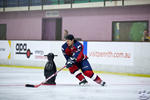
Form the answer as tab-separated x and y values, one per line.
114	57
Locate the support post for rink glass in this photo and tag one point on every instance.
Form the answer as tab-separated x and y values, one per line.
42	3
104	3
58	1
71	3
4	5
122	2
29	4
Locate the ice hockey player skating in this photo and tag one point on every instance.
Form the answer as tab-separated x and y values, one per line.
50	68
73	52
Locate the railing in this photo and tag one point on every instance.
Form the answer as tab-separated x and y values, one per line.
27	5
18	3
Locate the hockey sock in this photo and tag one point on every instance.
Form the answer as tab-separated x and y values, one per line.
97	79
93	76
79	75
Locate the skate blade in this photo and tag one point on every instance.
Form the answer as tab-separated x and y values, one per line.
86	84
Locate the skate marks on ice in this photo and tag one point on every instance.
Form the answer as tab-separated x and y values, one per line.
73	92
75	85
13	80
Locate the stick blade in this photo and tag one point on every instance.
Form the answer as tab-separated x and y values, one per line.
29	85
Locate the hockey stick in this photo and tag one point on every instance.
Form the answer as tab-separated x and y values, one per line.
30	85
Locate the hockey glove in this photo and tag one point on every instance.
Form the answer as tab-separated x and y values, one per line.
70	62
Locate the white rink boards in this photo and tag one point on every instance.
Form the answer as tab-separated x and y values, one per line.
119	57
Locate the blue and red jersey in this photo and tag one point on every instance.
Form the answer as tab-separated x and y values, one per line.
76	51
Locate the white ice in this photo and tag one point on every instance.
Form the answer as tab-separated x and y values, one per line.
12	81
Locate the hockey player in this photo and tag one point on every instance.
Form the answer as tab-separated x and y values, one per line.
73	52
50	68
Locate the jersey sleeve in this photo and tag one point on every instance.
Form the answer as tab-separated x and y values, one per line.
64	53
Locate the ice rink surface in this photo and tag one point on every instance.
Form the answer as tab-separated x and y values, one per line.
12	81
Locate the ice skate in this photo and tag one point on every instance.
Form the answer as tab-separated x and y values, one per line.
103	83
83	82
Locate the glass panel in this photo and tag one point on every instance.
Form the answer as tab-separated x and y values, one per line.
48	2
36	2
23	2
67	1
80	1
12	3
1	3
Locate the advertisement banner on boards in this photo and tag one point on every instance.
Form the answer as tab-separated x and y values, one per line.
111	53
35	50
5	49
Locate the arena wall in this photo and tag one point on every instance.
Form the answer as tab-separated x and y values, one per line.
86	23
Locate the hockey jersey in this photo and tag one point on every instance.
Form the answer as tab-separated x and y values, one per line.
75	52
